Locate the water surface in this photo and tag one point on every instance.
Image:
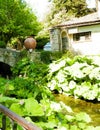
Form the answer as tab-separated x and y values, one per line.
78	105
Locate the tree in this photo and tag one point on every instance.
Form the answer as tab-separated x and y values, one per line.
16	20
63	10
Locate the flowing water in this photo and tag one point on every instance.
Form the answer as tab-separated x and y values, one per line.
78	105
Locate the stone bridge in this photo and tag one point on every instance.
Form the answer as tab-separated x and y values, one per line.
9	56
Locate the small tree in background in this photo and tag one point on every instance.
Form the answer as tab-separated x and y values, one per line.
64	10
17	20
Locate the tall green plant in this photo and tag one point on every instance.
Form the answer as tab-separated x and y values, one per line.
31	77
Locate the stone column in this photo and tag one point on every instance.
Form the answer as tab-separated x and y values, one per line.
55	39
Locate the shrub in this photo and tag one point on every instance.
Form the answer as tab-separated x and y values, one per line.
46	56
41	41
2	44
79	77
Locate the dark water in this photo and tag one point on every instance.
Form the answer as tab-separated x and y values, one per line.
78	105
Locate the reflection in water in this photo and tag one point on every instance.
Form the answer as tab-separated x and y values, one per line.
78	105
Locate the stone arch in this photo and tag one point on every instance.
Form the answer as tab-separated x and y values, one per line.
64	40
9	56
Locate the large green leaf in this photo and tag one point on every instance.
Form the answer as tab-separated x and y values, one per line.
18	109
33	108
8	100
82	125
74	127
95	73
82	116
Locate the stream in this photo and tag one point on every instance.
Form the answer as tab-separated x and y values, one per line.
78	105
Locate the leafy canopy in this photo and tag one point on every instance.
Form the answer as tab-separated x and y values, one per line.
63	10
16	20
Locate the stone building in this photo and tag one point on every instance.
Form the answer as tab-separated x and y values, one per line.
81	35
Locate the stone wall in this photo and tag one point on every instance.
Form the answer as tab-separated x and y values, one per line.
55	39
9	56
34	56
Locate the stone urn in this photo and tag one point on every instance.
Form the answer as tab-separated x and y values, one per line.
30	43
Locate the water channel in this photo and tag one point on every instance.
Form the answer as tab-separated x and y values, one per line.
78	105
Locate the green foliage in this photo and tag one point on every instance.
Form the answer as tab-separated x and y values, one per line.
7	100
30	77
46	56
42	40
16	20
27	93
49	114
5	86
2	44
83	117
27	107
56	55
72	7
78	77
28	68
33	107
64	10
49	56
